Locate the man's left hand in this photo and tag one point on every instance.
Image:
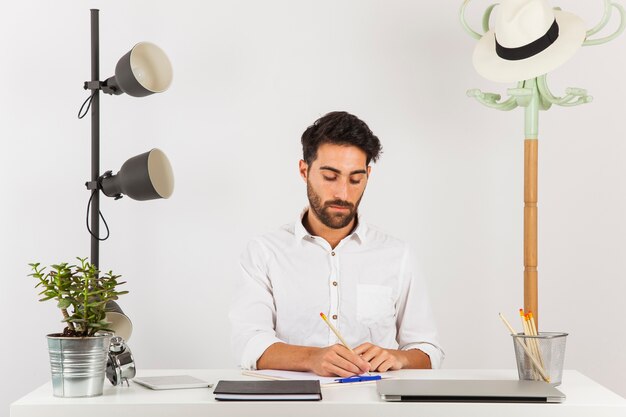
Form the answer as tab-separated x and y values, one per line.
381	360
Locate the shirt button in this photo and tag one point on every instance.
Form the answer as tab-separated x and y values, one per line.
334	283
332	253
334	317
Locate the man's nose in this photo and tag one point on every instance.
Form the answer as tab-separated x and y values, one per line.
340	190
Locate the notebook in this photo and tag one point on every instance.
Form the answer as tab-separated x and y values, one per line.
442	390
294	390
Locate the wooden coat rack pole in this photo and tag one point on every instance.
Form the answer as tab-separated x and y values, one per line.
529	96
530	227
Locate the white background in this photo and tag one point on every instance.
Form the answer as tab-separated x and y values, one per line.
250	76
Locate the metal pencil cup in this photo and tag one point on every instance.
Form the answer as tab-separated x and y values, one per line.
548	350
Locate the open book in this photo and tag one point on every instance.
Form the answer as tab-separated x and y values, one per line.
292	375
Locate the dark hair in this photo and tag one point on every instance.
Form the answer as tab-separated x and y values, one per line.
340	128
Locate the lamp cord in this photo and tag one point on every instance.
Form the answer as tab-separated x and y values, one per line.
101	216
88	102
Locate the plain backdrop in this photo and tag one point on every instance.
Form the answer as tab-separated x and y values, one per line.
250	76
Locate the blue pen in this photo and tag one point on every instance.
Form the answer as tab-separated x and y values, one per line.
359	378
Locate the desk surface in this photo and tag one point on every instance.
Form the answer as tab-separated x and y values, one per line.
584	398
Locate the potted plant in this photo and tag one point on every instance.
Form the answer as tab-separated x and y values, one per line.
78	355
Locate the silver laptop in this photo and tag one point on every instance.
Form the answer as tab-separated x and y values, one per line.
443	390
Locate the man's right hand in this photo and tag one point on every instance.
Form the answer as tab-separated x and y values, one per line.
337	360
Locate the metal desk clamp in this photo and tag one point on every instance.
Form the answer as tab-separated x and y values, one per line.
120	363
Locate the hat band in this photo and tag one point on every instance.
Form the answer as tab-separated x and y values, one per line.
531	49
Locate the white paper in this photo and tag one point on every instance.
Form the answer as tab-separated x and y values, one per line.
324	380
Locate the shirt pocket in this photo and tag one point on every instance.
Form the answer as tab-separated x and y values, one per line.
375	305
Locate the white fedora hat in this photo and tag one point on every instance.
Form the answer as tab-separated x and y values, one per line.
530	38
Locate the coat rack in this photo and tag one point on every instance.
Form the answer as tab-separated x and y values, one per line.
534	95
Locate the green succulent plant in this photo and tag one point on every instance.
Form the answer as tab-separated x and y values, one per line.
81	294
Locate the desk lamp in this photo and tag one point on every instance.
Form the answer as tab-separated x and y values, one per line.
142	71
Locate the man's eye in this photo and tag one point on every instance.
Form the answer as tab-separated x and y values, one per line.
329	178
355	182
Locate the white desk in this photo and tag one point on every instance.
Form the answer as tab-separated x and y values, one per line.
584	398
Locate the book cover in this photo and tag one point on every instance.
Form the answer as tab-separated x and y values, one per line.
294	390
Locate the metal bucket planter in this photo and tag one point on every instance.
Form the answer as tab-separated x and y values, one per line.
78	364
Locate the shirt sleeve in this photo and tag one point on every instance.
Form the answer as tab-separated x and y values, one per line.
415	321
253	312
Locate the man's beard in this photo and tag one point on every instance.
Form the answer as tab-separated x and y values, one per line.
337	220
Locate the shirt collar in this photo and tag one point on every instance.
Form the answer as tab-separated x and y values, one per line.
361	228
359	232
300	231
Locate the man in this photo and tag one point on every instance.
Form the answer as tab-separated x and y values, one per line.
330	261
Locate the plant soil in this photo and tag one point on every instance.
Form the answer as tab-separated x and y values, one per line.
67	332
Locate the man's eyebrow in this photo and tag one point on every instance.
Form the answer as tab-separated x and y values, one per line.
358	171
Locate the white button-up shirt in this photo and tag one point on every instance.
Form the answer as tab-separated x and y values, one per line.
367	286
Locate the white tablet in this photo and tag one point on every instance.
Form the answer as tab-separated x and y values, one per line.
172	382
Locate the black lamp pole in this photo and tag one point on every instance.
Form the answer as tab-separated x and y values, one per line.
95	137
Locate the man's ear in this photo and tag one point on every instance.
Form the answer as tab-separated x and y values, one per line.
369	171
304	169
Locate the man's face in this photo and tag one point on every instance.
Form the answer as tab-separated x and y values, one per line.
336	182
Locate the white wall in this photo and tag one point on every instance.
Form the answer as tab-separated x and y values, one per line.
249	78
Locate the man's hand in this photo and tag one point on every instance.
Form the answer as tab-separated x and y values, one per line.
381	360
337	360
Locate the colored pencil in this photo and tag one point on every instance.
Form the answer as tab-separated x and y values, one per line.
528	352
334	329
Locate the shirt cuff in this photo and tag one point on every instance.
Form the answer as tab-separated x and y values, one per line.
255	348
434	352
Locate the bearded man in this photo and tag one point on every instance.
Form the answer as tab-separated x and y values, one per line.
330	261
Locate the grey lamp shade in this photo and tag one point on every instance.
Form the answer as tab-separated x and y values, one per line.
142	71
143	177
118	321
